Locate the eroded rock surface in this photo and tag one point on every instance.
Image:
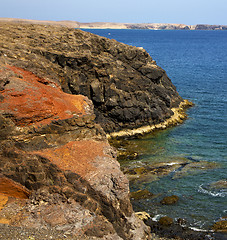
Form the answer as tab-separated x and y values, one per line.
126	86
57	168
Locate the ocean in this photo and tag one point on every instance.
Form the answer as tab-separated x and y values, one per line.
196	62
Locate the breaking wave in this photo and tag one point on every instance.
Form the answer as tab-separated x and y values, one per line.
214	193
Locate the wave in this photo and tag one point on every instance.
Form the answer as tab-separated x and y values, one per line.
213	193
157	217
198	229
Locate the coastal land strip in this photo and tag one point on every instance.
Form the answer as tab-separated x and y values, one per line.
113	25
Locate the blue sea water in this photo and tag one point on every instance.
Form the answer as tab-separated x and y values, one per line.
196	62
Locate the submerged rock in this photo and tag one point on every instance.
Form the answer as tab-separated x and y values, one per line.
141	194
195	168
221	184
169	200
138	171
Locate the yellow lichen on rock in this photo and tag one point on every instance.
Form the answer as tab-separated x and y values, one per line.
220	226
3	201
142	215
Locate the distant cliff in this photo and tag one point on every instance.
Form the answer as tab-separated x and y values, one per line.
210	27
112	25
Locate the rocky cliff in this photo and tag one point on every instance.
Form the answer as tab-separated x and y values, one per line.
210	27
57	169
126	86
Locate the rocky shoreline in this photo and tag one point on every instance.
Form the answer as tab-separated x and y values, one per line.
62	93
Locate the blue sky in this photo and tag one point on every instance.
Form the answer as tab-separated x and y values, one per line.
131	11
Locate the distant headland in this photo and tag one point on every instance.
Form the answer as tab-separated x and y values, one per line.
111	25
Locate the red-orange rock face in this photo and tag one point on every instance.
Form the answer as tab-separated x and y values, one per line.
76	156
10	188
32	100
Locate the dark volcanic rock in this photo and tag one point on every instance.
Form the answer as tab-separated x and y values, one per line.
126	86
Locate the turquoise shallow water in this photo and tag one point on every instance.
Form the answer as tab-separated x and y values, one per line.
196	62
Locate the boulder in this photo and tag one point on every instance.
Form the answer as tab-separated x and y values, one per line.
165	221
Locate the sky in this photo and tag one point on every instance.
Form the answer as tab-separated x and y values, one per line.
126	11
